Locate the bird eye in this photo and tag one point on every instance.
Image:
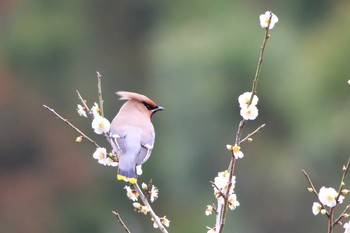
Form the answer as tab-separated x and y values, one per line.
148	106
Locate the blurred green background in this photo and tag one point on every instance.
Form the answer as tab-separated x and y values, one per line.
194	58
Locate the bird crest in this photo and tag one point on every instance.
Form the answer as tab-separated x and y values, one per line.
126	95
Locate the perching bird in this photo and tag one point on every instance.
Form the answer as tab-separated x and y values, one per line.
132	134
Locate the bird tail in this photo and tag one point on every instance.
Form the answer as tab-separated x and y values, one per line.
127	171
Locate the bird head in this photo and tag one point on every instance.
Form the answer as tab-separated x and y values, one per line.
140	102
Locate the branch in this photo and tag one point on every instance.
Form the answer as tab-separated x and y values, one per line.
84	104
310	182
239	132
261	57
99	90
121	221
252	133
342	182
224	207
152	213
71	125
341	215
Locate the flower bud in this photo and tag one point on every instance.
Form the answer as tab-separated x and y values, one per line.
79	139
310	189
137	205
144	186
323	211
229	147
344	192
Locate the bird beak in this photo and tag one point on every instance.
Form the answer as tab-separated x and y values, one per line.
159	108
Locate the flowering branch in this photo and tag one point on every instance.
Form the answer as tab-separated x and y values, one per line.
225	181
117	215
155	218
330	198
85	108
268	14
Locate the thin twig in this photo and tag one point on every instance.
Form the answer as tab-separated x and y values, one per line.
252	133
117	215
151	212
341	215
71	125
342	182
99	91
84	104
314	191
261	57
310	182
239	132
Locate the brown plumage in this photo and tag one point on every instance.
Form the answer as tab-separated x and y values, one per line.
132	133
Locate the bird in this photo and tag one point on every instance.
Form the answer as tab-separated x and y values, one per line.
132	134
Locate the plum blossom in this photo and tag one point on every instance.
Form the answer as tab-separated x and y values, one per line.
265	18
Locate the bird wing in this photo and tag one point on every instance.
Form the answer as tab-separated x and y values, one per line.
118	142
144	154
121	142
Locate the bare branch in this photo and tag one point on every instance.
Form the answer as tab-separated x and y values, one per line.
252	133
99	91
117	215
71	125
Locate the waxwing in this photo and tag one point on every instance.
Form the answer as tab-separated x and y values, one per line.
132	134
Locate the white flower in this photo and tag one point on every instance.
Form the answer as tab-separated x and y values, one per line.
81	110
347	227
153	193
100	154
140	208
237	152
232	201
265	18
349	81
163	220
95	110
110	162
100	125
131	193
211	230
249	113
244	99
327	196
137	205
221	184
316	208
209	210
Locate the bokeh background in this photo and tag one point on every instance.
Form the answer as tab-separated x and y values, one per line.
194	58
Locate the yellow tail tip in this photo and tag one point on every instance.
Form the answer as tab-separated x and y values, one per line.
127	179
